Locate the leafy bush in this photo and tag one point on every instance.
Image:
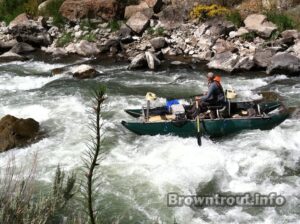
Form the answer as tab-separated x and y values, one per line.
249	36
89	37
52	9
64	39
113	25
31	7
235	17
203	12
9	9
160	31
282	20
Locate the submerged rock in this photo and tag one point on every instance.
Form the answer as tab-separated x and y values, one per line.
16	132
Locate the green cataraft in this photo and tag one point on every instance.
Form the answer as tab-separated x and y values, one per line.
241	116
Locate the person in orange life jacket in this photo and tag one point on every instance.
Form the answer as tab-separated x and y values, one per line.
214	97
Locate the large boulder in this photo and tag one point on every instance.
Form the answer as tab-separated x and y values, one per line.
16	132
74	10
155	4
284	63
133	9
158	43
171	17
7	45
29	31
83	48
258	23
22	48
152	61
11	56
296	49
139	21
262	56
245	63
84	72
225	61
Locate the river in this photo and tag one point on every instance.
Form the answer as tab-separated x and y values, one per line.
138	172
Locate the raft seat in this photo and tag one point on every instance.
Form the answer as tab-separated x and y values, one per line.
158	118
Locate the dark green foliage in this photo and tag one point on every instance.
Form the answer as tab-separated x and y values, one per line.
113	25
52	9
236	18
64	39
86	24
160	31
89	37
249	36
282	20
9	9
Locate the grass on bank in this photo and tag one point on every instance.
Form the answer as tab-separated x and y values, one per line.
10	9
281	20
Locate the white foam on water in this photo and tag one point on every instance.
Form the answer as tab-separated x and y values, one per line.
243	163
13	83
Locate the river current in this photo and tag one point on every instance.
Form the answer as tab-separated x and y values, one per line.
139	171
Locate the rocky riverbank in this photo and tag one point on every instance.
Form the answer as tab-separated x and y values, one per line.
154	29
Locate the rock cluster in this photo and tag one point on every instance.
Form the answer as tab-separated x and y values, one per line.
16	132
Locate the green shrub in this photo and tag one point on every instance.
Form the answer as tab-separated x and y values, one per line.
160	31
52	9
89	37
113	25
203	12
64	39
282	20
249	36
235	17
9	9
86	24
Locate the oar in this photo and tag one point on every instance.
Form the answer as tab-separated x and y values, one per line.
198	124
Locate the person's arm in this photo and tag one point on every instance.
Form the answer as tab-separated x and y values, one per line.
209	93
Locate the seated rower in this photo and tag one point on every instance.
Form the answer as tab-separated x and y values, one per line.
214	97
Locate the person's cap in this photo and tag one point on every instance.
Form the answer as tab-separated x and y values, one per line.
210	75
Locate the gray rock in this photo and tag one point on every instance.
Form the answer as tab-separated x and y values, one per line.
16	132
245	64
155	4
84	72
138	61
171	17
262	56
7	45
223	46
21	48
139	22
152	61
225	61
284	63
10	56
259	24
86	48
133	9
109	44
158	43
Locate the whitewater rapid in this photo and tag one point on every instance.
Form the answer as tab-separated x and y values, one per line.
139	171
